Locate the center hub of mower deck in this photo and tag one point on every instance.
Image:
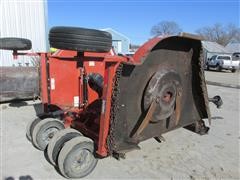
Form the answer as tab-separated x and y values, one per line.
167	97
162	87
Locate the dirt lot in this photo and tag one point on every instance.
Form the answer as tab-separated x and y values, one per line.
224	77
184	155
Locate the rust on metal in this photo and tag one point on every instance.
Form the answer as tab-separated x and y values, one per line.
147	119
191	36
178	108
18	83
172	64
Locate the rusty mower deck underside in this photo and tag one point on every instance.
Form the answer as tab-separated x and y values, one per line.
172	68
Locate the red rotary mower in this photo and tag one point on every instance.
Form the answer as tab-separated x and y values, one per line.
99	104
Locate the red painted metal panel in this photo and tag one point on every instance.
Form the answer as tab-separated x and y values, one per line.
64	77
143	51
106	106
43	79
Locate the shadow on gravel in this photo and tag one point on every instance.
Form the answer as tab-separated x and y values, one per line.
216	117
57	170
223	85
47	158
223	71
18	103
38	108
46	155
27	177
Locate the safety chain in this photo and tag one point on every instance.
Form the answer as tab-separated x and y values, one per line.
114	108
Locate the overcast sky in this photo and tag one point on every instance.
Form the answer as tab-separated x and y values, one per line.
135	18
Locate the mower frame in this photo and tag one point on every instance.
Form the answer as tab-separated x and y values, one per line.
77	65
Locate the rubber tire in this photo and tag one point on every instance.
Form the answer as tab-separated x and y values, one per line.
80	39
233	70
57	142
207	67
12	43
219	68
41	127
68	150
30	127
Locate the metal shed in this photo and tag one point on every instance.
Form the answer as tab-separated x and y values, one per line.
120	43
24	19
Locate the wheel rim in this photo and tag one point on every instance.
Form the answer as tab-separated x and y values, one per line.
82	161
48	134
44	131
30	127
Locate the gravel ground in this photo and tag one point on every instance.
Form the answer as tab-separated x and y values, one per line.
225	77
184	155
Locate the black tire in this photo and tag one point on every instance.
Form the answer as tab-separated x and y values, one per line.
219	68
30	128
207	66
12	43
80	39
57	142
77	151
44	131
233	70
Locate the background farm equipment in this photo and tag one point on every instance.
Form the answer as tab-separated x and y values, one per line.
98	104
18	83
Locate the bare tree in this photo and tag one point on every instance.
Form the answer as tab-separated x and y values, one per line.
165	28
220	34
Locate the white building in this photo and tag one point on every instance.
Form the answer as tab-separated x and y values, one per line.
24	19
121	43
233	47
213	48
